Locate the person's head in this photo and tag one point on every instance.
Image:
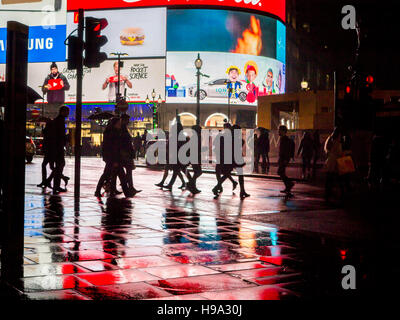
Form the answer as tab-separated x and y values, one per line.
116	67
251	73
233	73
125	119
64	111
137	134
227	125
282	131
54	68
269	78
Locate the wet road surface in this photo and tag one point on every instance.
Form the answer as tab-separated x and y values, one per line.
173	246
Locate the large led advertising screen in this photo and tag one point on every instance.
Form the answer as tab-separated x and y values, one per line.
274	7
138	77
136	32
243	56
47	28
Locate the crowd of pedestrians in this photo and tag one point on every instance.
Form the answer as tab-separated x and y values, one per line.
120	150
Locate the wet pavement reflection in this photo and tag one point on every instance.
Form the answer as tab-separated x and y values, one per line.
163	245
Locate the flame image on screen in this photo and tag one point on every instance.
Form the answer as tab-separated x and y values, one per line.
251	41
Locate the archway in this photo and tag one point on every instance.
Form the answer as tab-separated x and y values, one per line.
216	120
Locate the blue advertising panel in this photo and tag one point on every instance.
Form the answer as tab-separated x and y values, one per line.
280	42
44	44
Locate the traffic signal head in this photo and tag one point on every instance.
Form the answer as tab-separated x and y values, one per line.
74	52
348	92
366	88
94	41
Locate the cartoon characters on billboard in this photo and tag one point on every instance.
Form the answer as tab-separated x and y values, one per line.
268	83
251	72
233	84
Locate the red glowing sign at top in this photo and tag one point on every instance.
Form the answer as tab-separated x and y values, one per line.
274	7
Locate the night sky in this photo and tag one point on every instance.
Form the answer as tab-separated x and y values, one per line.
380	28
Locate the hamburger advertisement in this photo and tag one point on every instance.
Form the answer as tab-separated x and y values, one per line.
132	36
136	32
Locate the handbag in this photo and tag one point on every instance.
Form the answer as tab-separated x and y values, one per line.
345	165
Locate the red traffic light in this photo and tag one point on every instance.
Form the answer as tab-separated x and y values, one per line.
100	24
348	89
369	79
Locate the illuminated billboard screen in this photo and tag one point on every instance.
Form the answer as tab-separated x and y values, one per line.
243	56
138	77
136	32
276	7
47	30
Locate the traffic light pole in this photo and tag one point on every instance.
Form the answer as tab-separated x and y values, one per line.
78	110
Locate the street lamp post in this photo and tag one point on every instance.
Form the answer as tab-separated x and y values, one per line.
229	83
154	108
198	64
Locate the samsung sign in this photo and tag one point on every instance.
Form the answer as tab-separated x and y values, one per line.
44	44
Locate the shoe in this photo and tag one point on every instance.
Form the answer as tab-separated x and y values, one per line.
118	192
159	185
97	194
66	179
134	191
41	185
215	190
244	195
183	186
234	185
168	187
61	190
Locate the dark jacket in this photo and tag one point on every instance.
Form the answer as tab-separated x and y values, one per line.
285	149
111	145
262	143
127	152
306	147
56	96
56	138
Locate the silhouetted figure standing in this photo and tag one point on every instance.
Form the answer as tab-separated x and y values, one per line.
286	153
137	145
168	167
127	154
239	166
224	165
306	150
178	167
196	166
57	142
111	156
261	149
46	159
